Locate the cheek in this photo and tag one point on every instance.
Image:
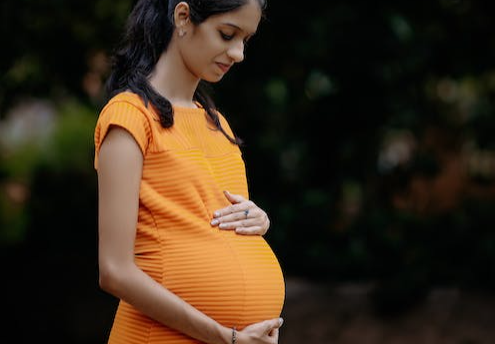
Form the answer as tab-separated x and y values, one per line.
210	43
205	51
201	52
193	57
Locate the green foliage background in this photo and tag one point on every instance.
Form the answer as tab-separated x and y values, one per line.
323	87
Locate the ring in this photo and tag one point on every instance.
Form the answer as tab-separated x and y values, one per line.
246	212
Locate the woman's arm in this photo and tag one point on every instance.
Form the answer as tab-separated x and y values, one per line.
119	178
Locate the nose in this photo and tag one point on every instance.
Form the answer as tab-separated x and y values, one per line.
236	51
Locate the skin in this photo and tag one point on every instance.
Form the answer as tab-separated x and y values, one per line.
221	39
120	170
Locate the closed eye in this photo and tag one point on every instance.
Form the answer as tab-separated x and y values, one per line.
226	37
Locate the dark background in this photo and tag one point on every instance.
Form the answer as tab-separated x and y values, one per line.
369	130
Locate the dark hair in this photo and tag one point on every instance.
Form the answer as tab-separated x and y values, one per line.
148	33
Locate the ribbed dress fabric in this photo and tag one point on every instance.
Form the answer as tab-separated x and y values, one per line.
235	279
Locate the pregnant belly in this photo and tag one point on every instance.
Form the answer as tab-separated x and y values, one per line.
235	279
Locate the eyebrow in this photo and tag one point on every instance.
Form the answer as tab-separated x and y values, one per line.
237	27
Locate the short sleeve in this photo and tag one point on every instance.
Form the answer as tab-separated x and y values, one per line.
127	116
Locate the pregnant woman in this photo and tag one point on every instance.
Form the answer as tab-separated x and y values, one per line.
180	243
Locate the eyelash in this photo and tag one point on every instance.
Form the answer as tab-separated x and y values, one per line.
226	37
230	37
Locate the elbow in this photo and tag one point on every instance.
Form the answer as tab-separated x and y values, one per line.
109	280
104	280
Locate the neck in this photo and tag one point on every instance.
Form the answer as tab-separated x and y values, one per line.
172	80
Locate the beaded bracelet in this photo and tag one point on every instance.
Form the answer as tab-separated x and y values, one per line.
234	335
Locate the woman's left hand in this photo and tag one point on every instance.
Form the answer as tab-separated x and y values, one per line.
244	216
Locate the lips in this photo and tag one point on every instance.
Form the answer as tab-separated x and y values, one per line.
223	67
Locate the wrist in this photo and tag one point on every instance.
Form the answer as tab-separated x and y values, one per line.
224	335
234	336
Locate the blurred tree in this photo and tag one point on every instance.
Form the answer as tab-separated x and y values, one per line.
325	90
48	47
368	129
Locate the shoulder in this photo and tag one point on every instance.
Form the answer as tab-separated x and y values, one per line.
128	102
130	110
127	111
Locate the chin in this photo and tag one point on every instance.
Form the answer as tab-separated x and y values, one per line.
213	78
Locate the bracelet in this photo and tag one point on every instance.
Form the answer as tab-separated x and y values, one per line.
234	335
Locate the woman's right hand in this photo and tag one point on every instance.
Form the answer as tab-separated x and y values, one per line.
265	332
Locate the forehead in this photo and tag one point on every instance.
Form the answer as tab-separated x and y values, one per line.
246	17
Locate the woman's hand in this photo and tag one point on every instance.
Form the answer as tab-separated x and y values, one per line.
265	332
244	216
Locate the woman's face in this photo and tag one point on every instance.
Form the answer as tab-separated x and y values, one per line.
209	49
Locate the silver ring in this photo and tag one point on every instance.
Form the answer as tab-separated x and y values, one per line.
246	212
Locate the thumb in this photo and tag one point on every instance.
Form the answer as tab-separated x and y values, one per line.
233	198
274	323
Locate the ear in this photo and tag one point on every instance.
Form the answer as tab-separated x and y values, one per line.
181	15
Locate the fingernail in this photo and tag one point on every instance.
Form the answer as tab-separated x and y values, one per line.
214	222
225	191
281	320
222	225
216	214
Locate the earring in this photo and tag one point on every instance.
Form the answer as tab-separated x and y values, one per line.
182	33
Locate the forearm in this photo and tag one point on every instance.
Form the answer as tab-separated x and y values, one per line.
137	288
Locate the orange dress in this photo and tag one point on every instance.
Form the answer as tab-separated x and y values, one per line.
235	279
